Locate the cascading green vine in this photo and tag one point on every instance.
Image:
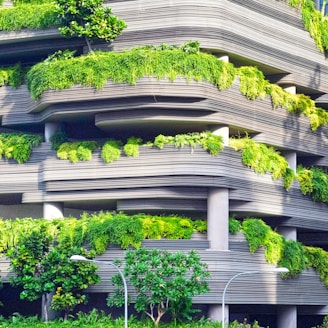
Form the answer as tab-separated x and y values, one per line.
18	146
36	16
314	21
313	182
112	149
96	69
75	151
263	159
166	62
12	75
286	253
100	230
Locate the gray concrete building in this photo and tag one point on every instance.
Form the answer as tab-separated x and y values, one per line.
268	34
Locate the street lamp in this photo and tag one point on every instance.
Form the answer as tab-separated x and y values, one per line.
82	258
275	270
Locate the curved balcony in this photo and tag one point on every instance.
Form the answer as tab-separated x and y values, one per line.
220	26
169	179
160	105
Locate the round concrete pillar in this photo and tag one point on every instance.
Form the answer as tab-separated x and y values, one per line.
53	210
290	233
290	88
291	158
287	316
49	129
224	57
218	218
221	130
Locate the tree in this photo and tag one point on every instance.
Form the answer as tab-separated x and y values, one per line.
41	270
69	278
88	19
162	280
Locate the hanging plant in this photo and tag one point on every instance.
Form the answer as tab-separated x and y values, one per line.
18	146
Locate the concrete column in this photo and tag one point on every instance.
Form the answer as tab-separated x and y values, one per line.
218	234
215	313
289	233
218	218
291	157
221	130
224	57
290	88
287	316
53	210
49	129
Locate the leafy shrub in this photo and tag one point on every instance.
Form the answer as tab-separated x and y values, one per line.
262	159
252	82
30	2
58	138
75	151
234	226
131	148
207	140
256	232
18	146
13	75
27	16
162	280
111	151
313	182
293	257
96	69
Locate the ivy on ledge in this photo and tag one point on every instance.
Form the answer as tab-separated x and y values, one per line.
103	229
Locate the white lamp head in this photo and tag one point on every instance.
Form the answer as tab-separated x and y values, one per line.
78	258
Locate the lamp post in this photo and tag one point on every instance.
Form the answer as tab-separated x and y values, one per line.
82	258
275	270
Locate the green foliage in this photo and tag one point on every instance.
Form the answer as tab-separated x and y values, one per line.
57	139
293	257
30	2
25	259
75	151
324	323
313	182
18	146
172	227
314	21
60	55
111	151
255	231
68	278
13	75
96	69
263	159
165	62
40	268
317	258
289	178
89	19
234	226
207	140
36	16
11	231
161	280
94	319
252	82
100	230
131	148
